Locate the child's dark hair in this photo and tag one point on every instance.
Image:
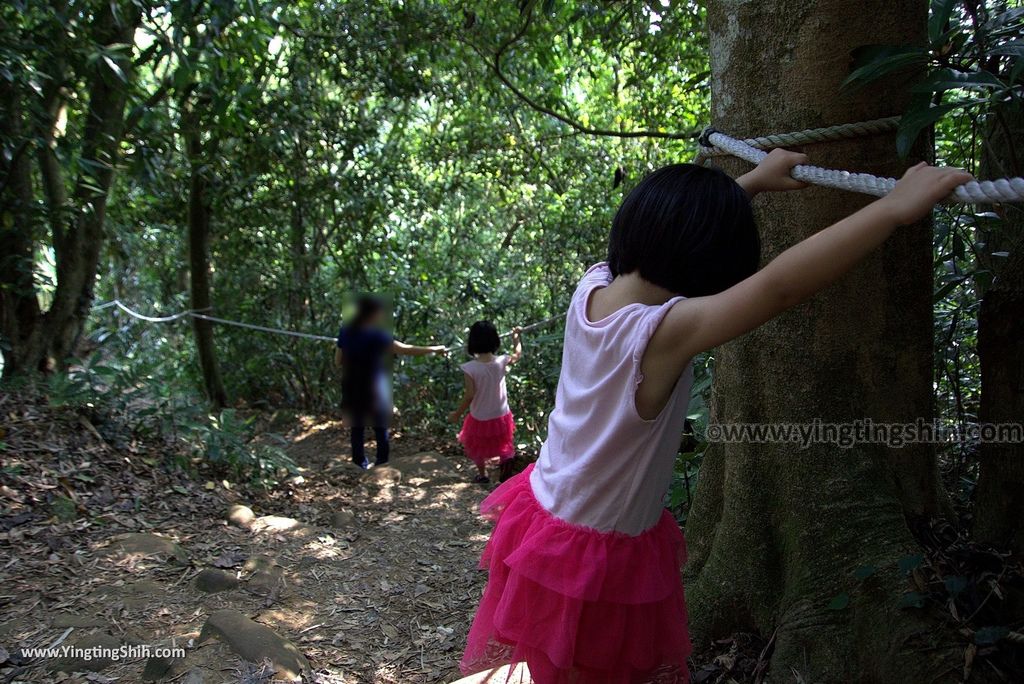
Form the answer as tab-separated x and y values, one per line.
686	228
483	338
367	306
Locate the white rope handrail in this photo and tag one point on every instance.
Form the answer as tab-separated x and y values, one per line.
143	317
261	328
196	313
973	192
538	324
526	328
810	136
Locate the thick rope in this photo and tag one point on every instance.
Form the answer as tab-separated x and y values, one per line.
538	324
142	317
260	328
810	136
196	313
526	328
974	192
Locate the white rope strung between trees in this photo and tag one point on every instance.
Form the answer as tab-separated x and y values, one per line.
810	136
195	313
538	324
526	328
974	192
142	317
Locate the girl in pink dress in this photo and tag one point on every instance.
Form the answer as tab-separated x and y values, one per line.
584	561
487	430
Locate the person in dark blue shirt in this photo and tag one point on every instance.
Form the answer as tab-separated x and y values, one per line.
365	390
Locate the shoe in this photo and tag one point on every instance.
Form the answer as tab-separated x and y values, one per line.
380	463
481	479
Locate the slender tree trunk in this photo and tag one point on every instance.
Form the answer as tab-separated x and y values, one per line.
19	308
298	292
776	532
999	497
199	212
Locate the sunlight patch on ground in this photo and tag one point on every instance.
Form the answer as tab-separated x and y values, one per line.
297	617
386	495
311	425
509	674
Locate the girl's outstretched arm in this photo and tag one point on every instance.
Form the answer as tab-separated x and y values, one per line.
403	349
469	389
697	324
517	345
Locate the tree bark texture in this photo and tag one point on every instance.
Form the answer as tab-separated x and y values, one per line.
776	531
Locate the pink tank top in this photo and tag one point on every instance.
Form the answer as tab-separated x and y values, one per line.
603	466
490	400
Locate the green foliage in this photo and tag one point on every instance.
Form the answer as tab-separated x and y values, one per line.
694	444
973	63
371	147
152	401
968	85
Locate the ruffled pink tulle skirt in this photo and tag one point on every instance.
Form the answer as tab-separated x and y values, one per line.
487	439
578	605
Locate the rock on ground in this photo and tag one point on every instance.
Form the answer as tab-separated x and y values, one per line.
83	663
343	519
277	524
145	544
255	642
383	475
265	575
240	516
212	580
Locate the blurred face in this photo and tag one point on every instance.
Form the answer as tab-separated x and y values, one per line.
376	319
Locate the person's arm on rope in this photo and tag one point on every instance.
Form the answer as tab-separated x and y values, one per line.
772	174
469	390
701	323
403	349
517	345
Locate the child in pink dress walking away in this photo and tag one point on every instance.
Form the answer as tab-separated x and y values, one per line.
584	561
487	430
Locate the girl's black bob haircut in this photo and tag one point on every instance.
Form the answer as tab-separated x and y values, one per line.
686	228
483	338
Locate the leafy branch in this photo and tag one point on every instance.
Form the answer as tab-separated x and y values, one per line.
494	61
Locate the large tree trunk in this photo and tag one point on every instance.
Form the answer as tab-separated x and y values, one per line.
199	211
19	308
77	248
77	220
999	497
777	532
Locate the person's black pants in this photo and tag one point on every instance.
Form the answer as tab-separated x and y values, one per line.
379	419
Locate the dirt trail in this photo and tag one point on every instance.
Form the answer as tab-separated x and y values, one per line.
347	576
